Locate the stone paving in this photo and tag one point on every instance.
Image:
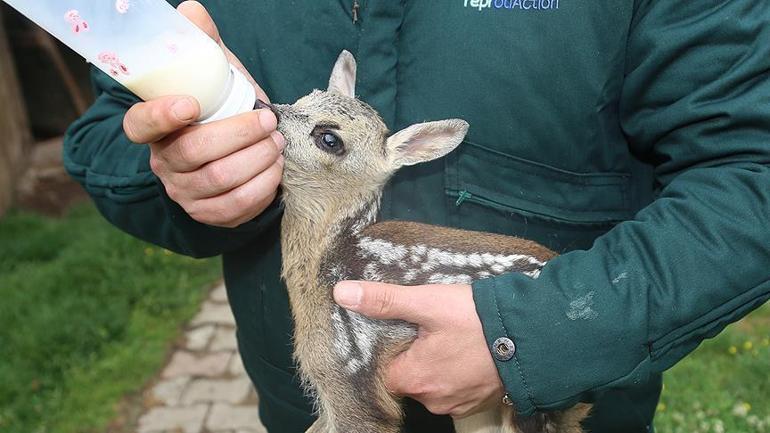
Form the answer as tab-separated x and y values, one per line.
204	388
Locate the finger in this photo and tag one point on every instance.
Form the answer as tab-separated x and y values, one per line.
230	172
398	375
199	16
201	144
384	301
241	204
148	122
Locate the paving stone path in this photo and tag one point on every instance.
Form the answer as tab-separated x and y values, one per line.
204	388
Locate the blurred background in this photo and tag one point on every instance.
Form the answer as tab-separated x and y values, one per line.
100	332
44	88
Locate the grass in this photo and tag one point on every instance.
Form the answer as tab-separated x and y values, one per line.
724	386
87	315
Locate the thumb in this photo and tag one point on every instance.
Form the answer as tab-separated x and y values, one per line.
382	301
199	16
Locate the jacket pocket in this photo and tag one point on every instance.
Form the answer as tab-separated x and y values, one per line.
498	180
491	190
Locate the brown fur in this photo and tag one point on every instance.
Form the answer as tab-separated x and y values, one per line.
331	201
463	241
303	251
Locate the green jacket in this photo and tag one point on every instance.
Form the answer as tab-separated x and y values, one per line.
632	136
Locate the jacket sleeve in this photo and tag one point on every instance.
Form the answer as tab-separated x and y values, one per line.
695	102
116	173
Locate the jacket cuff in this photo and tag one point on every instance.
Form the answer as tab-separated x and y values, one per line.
579	329
498	336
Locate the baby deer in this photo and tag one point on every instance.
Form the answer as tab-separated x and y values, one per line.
339	156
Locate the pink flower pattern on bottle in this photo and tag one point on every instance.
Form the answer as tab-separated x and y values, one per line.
122	6
76	21
113	61
172	47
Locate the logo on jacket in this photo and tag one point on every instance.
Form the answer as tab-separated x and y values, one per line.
533	5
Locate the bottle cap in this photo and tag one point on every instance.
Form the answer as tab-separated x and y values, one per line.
239	98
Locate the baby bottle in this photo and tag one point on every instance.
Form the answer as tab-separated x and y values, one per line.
148	47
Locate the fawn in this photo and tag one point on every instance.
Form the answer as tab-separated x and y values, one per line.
338	158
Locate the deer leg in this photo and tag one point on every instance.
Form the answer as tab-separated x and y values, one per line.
320	425
568	421
490	421
350	404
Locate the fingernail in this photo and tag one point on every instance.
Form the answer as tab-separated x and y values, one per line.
267	120
183	109
348	294
279	140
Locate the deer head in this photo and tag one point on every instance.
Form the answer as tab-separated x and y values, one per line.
339	150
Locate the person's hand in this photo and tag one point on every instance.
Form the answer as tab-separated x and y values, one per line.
448	368
222	173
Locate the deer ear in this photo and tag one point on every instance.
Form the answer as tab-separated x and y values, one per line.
343	79
425	141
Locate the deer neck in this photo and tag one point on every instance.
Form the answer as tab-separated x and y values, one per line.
309	231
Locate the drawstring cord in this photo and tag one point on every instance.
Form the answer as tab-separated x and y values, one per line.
356	7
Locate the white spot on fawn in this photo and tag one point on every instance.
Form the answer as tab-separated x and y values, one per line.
362	331
414	259
419	250
341	343
460	260
449	279
369	217
410	275
338	273
365	334
498	268
581	308
385	252
371	272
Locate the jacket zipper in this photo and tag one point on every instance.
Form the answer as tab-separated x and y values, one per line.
464	195
356	8
474	198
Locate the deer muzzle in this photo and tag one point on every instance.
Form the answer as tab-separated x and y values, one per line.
260	104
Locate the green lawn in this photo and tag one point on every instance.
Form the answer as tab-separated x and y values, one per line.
87	315
724	386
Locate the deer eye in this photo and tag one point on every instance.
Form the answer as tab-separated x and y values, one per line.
328	141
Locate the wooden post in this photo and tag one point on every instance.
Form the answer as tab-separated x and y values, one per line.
15	135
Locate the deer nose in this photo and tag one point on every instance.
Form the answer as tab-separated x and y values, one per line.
262	104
